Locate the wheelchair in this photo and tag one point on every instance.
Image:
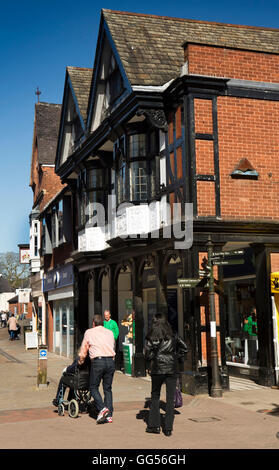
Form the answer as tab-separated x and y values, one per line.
78	384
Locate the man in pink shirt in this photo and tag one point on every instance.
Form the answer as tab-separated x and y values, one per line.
100	344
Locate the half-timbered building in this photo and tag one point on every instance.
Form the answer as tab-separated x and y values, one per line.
181	113
57	220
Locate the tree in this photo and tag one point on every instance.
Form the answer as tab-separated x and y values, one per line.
16	273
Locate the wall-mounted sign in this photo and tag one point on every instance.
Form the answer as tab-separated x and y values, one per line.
24	256
24	296
58	278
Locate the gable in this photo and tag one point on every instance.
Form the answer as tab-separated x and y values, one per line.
74	112
45	135
47	126
110	84
80	80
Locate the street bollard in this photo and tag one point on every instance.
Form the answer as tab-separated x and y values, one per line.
42	367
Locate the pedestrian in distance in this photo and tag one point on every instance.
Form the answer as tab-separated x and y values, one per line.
111	324
12	326
3	319
164	349
100	343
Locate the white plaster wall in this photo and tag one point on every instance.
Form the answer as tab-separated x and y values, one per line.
4	297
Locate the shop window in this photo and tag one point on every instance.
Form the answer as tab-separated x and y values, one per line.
241	322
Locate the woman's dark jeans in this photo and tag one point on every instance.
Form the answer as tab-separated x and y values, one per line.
102	368
157	381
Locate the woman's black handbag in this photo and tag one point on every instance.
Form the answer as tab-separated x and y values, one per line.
178	402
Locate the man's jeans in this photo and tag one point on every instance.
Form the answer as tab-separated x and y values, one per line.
102	368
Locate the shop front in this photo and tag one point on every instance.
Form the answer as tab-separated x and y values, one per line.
58	288
274	278
63	335
241	327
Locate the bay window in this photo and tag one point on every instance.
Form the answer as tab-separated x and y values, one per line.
135	164
92	189
54	227
60	221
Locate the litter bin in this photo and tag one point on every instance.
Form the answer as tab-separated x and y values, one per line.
25	329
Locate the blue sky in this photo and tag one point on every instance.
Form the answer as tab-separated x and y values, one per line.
37	41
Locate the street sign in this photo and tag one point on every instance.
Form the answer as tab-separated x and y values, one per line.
225	262
43	354
188	282
228	253
204	274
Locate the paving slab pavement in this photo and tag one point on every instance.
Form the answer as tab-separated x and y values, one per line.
241	419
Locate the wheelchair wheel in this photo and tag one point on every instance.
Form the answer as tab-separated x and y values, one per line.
61	409
73	409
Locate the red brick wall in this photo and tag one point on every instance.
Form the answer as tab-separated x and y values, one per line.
50	183
206	198
18	309
203	116
274	261
249	129
232	63
61	253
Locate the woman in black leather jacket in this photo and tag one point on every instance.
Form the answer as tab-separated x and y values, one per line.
163	350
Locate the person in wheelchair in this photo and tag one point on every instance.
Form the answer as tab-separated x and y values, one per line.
63	382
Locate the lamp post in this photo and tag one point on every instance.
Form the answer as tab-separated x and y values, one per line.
216	388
